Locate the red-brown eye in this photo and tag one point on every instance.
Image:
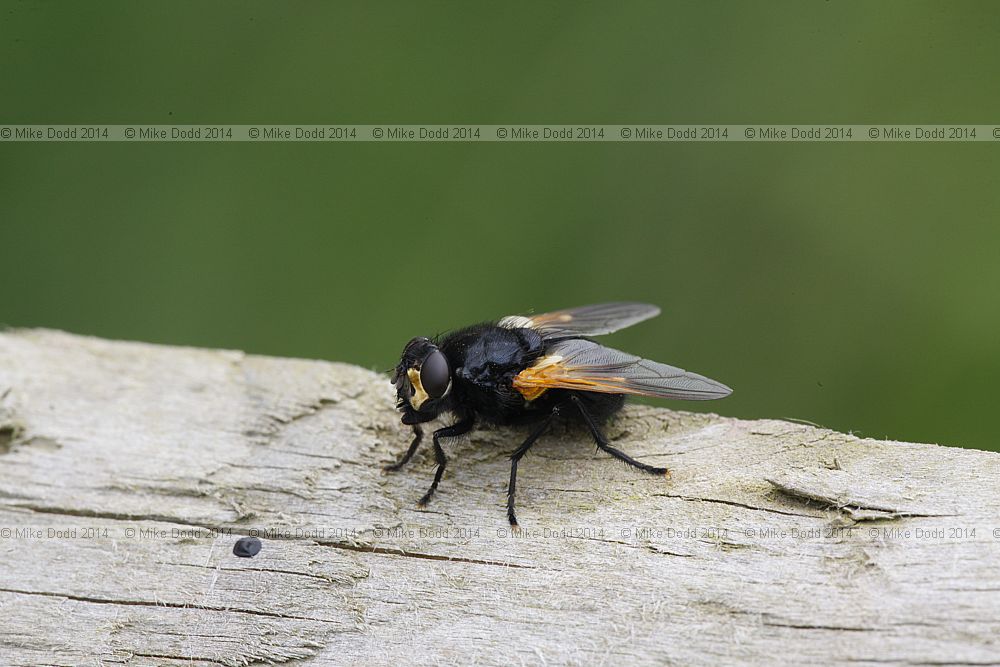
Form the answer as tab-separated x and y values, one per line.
435	375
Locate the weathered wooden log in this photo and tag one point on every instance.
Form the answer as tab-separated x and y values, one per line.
128	471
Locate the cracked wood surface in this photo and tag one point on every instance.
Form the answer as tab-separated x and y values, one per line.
127	472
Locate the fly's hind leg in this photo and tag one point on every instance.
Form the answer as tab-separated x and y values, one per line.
602	442
516	456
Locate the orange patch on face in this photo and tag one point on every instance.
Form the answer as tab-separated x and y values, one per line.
419	395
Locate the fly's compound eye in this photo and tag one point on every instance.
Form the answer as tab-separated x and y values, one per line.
434	374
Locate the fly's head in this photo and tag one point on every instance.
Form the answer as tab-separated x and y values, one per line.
422	378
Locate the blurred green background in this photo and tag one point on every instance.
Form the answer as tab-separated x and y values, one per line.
851	285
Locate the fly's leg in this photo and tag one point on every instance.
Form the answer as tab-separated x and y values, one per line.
602	443
516	456
413	419
459	428
418	435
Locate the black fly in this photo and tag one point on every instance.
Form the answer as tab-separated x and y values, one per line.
530	370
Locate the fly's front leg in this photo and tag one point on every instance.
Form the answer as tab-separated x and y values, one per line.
413	419
459	428
418	435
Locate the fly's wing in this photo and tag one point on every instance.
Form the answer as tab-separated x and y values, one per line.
586	366
595	320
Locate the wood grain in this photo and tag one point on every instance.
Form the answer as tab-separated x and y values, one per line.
128	471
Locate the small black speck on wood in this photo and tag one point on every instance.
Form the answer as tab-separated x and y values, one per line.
247	547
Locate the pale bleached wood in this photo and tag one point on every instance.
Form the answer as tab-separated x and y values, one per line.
773	542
